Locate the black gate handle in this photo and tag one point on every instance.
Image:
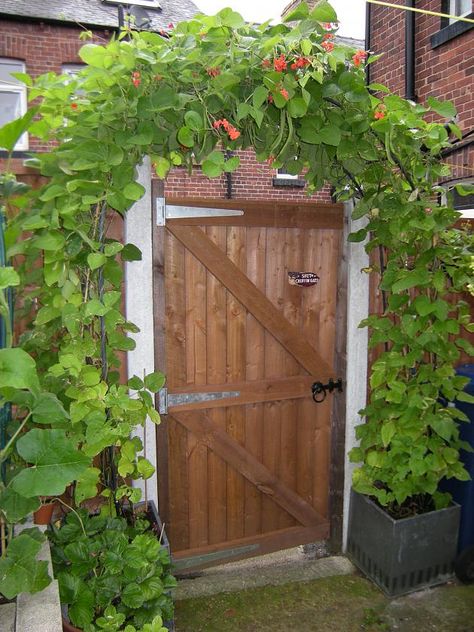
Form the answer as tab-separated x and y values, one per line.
320	390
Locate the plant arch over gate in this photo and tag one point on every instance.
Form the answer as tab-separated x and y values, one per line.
298	99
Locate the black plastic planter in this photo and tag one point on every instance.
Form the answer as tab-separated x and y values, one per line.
405	555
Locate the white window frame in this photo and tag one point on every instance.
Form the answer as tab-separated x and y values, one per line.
455	10
146	4
22	144
466	213
281	175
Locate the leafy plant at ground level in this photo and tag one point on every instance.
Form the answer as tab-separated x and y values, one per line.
111	574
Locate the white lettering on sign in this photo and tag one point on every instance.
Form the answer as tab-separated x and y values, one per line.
302	279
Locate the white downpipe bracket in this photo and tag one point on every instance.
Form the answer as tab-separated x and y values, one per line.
139	309
357	348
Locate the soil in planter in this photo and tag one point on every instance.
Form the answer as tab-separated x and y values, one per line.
412	506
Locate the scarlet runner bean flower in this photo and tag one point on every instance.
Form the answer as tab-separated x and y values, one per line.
232	132
284	94
74	106
359	57
136	79
328	36
300	62
279	63
266	63
328	46
213	72
380	112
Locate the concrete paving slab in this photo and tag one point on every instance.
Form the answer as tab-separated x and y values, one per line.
292	565
7	617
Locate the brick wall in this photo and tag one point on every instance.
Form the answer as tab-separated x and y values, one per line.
46	47
446	72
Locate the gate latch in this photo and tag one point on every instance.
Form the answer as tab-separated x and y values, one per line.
320	390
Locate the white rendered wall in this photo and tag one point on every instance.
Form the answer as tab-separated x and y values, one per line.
139	309
357	361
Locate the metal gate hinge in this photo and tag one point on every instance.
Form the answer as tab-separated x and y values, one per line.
167	400
170	211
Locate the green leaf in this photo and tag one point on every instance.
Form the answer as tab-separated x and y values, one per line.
300	13
161	166
18	370
96	260
49	240
55	462
133	191
443	108
323	12
87	484
47	314
388	432
8	277
19	570
10	132
193	120
47	409
135	383
132	595
130	252
186	136
331	135
411	279
154	381
211	169
145	468
113	249
15	507
297	107
259	97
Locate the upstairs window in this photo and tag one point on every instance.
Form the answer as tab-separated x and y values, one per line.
459	8
13	101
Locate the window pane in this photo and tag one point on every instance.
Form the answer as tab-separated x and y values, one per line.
465	6
6	67
10	106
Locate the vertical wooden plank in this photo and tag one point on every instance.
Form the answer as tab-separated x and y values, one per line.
176	376
338	420
327	315
292	296
255	370
275	356
311	245
196	373
236	348
216	374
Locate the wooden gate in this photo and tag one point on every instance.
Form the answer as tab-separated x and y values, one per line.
248	471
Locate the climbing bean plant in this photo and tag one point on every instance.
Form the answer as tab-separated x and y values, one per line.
299	99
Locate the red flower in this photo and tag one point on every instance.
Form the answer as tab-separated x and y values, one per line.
136	82
171	25
327	26
328	46
284	94
301	62
359	57
266	63
233	133
74	106
380	112
279	63
328	36
270	98
213	72
135	75
271	160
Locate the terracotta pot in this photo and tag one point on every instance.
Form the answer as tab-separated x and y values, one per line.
68	627
43	514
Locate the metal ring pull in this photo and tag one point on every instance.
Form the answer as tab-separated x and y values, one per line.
319	390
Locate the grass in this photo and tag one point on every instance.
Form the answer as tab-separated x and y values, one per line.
346	603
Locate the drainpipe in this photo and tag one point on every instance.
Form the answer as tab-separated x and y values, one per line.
228	177
368	34
410	52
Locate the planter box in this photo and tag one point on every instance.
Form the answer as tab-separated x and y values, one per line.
405	555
